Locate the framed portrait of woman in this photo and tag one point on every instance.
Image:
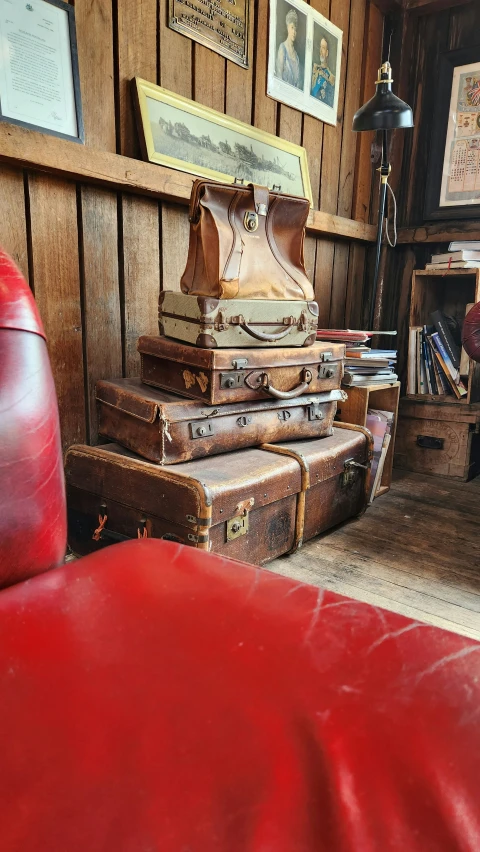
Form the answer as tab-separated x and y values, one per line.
304	59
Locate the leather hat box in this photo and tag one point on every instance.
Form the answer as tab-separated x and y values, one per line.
252	504
212	323
168	429
218	376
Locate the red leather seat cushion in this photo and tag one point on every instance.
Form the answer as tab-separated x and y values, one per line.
158	698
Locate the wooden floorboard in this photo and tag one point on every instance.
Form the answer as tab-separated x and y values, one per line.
416	551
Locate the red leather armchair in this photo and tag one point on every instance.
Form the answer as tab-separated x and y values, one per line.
158	698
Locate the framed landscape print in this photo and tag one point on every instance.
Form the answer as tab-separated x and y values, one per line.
304	59
180	133
453	181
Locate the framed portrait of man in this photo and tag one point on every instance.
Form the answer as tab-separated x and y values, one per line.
304	59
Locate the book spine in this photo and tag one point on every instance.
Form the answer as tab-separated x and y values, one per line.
452	349
445	356
425	364
429	363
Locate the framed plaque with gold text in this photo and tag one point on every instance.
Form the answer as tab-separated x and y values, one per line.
221	25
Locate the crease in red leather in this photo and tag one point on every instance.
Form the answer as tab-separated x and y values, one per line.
17	305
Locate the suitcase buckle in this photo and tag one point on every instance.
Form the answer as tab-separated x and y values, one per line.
238	525
350	470
315	411
231	380
325	372
250	221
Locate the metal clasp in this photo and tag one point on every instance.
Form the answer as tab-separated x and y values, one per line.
250	221
315	411
350	469
238	525
201	428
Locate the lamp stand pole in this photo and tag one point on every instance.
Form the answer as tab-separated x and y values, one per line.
384	173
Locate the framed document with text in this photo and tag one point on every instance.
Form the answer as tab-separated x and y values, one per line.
453	167
39	80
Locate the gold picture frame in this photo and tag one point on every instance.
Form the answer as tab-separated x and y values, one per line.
184	135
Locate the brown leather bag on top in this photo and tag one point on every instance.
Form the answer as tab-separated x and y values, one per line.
246	243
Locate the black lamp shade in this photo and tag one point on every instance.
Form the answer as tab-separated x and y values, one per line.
384	111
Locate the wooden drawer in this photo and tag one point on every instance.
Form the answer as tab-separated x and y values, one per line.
429	440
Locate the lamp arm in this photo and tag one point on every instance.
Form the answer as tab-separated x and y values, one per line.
384	172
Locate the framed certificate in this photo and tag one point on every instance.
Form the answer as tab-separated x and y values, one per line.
39	80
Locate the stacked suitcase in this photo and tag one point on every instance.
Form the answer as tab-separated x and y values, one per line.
226	441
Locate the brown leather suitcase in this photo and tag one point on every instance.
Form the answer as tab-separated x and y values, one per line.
217	376
246	243
168	429
335	477
241	504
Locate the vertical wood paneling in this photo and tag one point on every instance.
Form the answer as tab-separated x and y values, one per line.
98	226
175	74
57	291
140	223
209	82
137	57
265	111
343	254
95	58
101	295
141	274
239	82
332	142
13	226
372	52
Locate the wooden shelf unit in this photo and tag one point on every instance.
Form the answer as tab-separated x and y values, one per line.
384	397
449	291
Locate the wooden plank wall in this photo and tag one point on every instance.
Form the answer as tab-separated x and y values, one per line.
96	259
416	47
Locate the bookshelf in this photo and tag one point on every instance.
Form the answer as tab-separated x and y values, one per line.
450	292
354	410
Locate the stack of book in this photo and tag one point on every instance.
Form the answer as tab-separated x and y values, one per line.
460	255
437	365
363	365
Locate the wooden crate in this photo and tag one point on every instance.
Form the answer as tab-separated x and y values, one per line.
438	438
450	292
354	410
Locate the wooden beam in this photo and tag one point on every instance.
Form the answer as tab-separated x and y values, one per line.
440	232
69	160
337	226
427	7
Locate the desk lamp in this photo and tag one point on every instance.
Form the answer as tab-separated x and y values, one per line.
382	112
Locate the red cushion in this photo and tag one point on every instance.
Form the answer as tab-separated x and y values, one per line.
32	494
155	697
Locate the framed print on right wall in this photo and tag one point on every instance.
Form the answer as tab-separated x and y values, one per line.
304	59
453	179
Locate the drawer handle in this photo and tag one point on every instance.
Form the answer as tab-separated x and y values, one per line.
429	442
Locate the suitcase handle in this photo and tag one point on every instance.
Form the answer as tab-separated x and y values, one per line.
102	532
430	442
264	385
259	335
